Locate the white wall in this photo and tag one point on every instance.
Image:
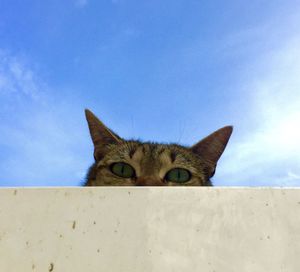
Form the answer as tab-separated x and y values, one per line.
140	229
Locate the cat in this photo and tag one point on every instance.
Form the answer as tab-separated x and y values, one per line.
120	162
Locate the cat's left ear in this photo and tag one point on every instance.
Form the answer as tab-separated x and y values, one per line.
211	147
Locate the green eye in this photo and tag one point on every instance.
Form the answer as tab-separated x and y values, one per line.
179	175
122	169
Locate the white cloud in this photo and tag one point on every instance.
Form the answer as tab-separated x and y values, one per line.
81	3
17	77
41	136
269	152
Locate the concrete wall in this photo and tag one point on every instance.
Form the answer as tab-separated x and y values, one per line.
149	229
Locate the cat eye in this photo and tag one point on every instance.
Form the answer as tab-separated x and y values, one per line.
122	169
179	175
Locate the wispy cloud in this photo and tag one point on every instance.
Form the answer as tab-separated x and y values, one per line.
17	78
40	135
269	152
81	3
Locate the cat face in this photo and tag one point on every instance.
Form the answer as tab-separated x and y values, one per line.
133	163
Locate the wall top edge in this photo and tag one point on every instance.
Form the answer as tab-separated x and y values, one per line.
150	188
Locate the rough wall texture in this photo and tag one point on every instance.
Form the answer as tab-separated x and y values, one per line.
149	229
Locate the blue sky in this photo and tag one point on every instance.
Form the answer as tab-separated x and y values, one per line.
170	71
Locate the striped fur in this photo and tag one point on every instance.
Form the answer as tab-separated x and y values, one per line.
151	161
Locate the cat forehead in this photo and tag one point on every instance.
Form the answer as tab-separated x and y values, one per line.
137	150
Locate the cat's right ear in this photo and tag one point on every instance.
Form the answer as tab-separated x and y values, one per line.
211	147
100	134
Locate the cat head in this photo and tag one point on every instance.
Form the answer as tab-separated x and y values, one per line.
133	163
